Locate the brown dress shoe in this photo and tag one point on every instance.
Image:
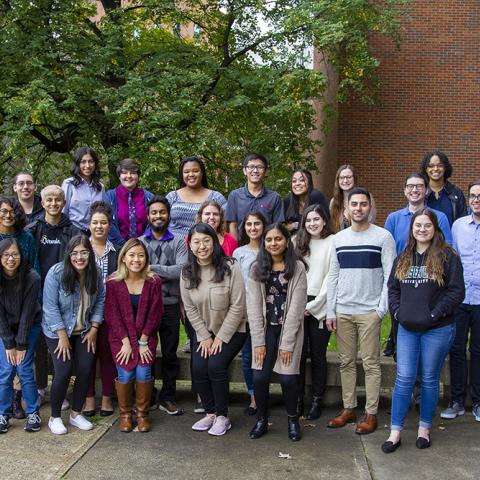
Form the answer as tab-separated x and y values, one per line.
367	424
347	415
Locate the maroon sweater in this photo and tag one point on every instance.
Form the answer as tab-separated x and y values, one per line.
122	323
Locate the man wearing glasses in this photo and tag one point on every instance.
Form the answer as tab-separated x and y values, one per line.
254	196
466	241
24	186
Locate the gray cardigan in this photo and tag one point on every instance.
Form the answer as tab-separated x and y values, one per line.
291	336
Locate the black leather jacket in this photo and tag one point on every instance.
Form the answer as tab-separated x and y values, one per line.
457	199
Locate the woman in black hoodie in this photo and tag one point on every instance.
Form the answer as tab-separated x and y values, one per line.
424	288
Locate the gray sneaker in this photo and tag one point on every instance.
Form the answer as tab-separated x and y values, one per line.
476	411
453	411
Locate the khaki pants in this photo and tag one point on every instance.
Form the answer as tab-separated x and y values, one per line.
365	328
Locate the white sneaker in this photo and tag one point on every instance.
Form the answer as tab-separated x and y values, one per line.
80	422
56	426
65	405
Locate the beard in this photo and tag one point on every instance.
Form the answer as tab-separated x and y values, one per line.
160	227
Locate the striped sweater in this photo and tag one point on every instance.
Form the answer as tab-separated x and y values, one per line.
359	270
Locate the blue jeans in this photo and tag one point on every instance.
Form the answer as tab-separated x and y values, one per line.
141	373
247	362
430	349
25	374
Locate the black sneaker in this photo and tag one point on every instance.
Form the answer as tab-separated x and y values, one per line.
33	422
169	407
4	424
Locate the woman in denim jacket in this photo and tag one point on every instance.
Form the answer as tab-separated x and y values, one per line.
73	302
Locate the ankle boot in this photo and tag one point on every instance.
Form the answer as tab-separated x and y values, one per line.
294	431
125	402
300	407
143	393
260	428
17	409
315	409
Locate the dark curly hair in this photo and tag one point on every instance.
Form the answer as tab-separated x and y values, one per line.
443	159
20	218
201	164
101	207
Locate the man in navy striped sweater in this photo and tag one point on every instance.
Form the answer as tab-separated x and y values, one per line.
356	303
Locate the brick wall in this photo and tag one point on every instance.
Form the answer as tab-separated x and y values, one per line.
430	99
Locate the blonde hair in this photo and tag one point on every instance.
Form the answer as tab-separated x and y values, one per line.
212	203
121	273
52	191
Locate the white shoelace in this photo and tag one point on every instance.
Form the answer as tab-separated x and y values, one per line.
34	418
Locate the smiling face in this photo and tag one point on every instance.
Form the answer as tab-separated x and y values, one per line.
99	226
255	171
192	175
53	205
135	259
10	259
275	243
24	187
314	224
415	191
79	258
129	179
423	230
7	217
346	180
158	216
86	166
359	208
435	168
299	184
201	245
474	200
253	227
211	216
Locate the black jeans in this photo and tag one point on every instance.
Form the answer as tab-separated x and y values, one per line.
467	319
41	363
211	374
261	378
315	343
169	337
83	362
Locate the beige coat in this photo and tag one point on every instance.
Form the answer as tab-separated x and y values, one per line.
291	336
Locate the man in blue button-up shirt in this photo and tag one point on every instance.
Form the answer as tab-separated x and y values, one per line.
466	240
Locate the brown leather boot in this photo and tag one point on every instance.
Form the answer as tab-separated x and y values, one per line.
125	401
367	424
347	415
143	392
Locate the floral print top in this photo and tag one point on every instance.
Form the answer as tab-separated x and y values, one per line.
276	290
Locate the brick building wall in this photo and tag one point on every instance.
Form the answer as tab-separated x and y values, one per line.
429	99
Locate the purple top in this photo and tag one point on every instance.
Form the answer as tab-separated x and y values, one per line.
122	213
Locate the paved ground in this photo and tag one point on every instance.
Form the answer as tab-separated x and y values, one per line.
172	450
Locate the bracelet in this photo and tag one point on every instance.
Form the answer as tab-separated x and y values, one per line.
143	343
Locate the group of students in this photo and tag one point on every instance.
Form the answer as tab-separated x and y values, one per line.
116	271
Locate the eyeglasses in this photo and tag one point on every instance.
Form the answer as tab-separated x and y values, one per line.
5	213
345	177
472	197
28	183
81	254
431	166
251	168
6	256
411	186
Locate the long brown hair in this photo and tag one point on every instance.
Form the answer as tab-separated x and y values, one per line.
302	238
435	255
336	208
212	203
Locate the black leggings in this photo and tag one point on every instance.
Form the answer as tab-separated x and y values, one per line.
261	378
83	362
315	342
211	374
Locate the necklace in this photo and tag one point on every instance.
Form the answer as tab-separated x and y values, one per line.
418	273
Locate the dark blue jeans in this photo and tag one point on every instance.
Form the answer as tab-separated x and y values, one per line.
430	348
467	319
247	362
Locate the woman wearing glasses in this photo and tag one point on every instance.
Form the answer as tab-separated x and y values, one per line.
442	195
73	302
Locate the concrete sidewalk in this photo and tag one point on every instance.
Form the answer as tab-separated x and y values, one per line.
172	450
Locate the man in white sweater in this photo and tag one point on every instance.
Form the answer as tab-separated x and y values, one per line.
362	257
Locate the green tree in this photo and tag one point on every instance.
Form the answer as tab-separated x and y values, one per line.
136	84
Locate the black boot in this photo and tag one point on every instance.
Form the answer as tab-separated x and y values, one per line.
294	431
389	346
315	409
17	409
300	407
260	428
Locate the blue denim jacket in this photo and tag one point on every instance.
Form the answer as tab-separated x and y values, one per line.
60	308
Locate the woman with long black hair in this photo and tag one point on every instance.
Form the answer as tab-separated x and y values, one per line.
73	303
424	288
277	295
213	294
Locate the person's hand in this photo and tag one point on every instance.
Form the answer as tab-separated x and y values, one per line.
145	354
285	357
216	346
183	315
11	356
63	348
125	353
91	339
259	354
331	324
306	313
204	347
20	356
